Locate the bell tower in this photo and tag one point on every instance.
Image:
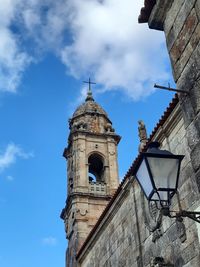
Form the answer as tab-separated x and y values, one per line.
92	172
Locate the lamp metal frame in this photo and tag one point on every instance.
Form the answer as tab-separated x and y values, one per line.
165	205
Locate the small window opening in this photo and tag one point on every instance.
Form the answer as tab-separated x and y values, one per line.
96	168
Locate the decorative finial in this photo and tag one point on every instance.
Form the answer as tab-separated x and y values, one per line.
89	93
142	135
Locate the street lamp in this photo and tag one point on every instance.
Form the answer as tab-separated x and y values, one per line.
157	172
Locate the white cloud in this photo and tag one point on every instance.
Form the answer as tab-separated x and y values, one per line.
13	60
109	43
10	155
98	38
49	241
27	29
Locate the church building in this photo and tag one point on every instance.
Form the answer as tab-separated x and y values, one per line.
109	224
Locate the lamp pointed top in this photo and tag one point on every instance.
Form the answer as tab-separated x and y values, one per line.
89	93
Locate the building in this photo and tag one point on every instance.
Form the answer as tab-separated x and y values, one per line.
124	229
92	172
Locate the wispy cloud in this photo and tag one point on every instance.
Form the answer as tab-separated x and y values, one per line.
13	62
13	58
9	178
10	155
49	241
98	38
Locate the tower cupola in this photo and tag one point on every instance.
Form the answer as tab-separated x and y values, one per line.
91	117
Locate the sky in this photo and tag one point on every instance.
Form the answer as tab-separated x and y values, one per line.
47	49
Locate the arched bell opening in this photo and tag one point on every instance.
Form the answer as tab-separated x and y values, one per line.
95	168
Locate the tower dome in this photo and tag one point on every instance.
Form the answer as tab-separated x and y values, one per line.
91	117
90	107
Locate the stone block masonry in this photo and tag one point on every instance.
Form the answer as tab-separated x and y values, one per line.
181	24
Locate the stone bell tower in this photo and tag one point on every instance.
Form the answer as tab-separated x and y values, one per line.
92	172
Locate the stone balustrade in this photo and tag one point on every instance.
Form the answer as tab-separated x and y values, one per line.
97	188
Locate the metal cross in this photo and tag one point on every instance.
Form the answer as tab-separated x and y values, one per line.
89	82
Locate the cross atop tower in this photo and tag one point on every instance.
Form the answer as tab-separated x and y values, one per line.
89	82
89	93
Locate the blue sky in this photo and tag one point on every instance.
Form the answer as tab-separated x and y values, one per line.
46	51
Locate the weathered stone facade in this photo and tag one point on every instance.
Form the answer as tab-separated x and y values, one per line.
130	231
180	20
92	172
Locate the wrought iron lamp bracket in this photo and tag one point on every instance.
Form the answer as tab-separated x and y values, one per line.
194	215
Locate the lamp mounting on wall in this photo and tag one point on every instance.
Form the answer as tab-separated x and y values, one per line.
157	172
170	89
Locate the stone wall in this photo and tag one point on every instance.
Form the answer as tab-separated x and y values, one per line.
180	20
129	233
112	242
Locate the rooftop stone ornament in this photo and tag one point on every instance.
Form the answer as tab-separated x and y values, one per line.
142	133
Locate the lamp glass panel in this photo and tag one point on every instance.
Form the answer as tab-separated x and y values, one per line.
163	196
164	172
144	178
